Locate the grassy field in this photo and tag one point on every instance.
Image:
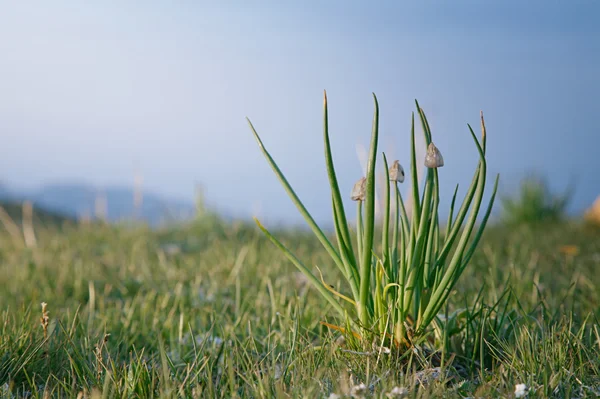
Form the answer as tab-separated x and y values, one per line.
215	310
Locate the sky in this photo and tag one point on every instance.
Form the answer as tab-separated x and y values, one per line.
96	92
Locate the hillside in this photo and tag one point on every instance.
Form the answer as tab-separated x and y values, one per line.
40	216
115	203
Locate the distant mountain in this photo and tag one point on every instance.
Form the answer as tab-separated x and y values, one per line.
40	216
4	192
114	203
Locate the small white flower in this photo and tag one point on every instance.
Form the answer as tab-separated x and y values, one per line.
358	391
520	390
397	392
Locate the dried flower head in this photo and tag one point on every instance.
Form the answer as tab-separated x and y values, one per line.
434	158
397	172
45	319
358	191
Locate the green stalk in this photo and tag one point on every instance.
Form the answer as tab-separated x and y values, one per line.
460	217
429	259
432	242
416	208
416	266
413	171
351	272
385	247
309	219
436	246
483	223
424	123
419	265
451	213
465	260
449	239
403	215
379	307
402	309
456	259
359	228
429	254
365	272
318	284
394	277
344	241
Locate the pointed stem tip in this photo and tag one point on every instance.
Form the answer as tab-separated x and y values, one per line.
482	125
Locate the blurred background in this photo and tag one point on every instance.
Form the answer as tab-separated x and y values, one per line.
125	109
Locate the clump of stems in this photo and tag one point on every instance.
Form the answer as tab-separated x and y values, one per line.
396	292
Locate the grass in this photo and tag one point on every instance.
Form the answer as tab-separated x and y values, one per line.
215	310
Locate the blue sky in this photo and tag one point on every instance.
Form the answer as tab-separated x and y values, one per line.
94	92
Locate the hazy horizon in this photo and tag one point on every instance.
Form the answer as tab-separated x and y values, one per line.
96	93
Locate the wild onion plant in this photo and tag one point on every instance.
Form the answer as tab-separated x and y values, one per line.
398	290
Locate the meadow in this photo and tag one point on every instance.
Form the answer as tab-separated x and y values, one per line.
213	309
407	304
